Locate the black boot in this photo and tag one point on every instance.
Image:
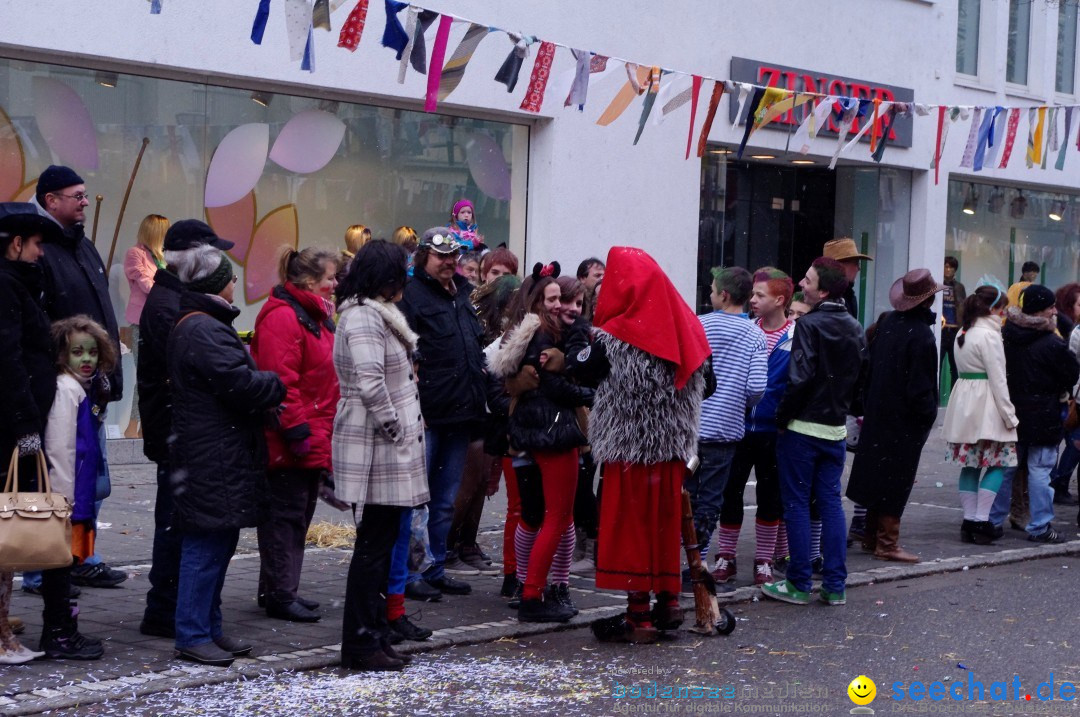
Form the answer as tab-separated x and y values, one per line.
377	661
560	593
543	611
509	586
66	643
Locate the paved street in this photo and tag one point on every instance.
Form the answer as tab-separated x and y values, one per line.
987	625
135	665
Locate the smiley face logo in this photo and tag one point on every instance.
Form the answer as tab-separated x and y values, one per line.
862	690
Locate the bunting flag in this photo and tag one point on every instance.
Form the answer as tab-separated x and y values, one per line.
779	108
710	115
155	7
985	138
308	62
875	128
579	88
394	35
937	144
541	72
1010	136
695	90
454	69
406	54
1060	163
968	160
996	137
418	55
633	76
865	108
744	93
297	23
438	53
349	38
851	110
1036	119
814	120
624	97
1051	135
674	95
511	67
650	100
259	26
887	121
598	63
320	15
755	100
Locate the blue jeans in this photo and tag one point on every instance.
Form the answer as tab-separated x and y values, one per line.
399	556
165	564
706	486
204	559
446	447
1040	461
812	467
1070	458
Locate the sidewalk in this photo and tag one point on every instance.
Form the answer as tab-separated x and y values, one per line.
135	664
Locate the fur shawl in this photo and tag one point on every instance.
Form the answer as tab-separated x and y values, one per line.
512	348
638	416
395	321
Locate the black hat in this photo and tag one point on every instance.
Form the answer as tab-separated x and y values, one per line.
1036	298
55	177
23	219
190	233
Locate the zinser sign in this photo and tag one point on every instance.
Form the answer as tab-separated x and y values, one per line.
798	80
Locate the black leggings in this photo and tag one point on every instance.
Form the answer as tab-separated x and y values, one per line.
585	512
755	451
531	490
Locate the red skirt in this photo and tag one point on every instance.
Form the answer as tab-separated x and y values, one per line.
639	545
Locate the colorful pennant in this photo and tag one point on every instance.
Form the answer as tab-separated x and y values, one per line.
454	69
650	100
258	27
714	101
625	96
349	38
438	53
394	35
511	67
695	90
541	71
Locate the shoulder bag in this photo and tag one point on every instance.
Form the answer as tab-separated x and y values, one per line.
35	527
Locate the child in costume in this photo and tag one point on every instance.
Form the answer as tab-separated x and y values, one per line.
648	359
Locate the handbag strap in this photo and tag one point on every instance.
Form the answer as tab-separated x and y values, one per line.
13	472
12	482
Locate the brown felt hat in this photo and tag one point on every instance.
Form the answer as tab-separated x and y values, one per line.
843	249
912	289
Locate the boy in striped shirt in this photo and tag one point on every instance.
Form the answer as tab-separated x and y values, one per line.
740	363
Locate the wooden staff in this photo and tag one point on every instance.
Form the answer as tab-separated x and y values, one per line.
123	204
97	213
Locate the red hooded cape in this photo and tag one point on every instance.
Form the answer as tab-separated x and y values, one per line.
639	305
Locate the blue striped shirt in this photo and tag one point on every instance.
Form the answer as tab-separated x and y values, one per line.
741	364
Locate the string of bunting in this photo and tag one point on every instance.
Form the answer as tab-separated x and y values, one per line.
993	129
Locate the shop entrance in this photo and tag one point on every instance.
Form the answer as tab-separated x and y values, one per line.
756	214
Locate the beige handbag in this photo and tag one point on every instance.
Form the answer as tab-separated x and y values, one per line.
35	528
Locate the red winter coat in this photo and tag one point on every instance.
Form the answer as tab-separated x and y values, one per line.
294	337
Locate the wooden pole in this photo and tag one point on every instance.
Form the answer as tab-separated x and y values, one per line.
123	204
97	213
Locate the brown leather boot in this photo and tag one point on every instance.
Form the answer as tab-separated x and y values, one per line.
870	532
888	546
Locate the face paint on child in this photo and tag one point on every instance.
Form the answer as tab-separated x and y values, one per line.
82	356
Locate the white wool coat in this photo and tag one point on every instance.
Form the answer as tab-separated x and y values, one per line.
980	409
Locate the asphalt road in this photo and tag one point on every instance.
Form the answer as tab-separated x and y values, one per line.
1000	624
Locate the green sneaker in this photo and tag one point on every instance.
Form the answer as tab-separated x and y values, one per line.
786	592
829	598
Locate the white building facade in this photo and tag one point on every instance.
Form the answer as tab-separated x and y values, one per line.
84	84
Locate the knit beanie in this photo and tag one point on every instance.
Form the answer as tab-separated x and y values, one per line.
53	178
1036	298
215	281
458	206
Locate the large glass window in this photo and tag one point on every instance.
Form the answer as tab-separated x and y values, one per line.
265	170
967	37
1016	61
1066	47
992	230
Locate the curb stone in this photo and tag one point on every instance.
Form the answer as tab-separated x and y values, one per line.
135	686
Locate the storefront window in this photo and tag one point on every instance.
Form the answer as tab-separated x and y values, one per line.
1066	48
967	37
1016	60
755	214
1005	226
267	170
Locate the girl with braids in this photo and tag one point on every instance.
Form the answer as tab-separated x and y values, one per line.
544	427
980	422
294	338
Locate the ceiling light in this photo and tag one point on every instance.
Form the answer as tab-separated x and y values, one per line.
1018	206
106	79
762	156
720	151
803	161
971	200
996	200
1057	210
260	97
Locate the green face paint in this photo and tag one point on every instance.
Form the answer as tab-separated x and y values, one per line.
82	356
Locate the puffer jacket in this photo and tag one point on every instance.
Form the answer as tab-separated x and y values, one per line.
451	366
828	360
1040	370
219	407
544	419
27	359
294	338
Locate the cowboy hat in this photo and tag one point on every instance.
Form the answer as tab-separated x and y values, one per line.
843	249
912	289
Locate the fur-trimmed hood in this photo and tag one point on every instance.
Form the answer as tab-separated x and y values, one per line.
394	319
512	347
1028	321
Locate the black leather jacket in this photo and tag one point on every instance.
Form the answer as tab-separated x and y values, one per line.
828	360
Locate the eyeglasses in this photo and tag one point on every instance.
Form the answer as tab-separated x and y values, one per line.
80	197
